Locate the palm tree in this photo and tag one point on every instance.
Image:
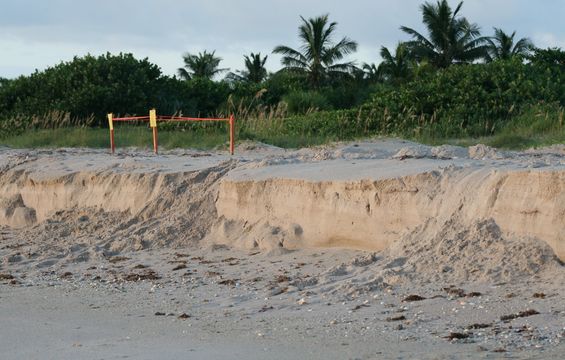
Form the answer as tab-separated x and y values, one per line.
255	71
451	39
372	73
204	65
318	54
398	67
502	46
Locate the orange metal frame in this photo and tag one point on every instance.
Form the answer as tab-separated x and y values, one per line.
153	119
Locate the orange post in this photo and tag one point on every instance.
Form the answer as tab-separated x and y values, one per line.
112	143
232	134
155	142
153	125
111	126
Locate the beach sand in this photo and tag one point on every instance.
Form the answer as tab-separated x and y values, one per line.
365	250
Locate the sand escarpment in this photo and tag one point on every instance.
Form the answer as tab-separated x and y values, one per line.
373	214
105	190
372	196
118	204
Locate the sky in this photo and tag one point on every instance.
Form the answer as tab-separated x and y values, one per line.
35	34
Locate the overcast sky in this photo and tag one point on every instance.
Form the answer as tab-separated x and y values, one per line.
35	34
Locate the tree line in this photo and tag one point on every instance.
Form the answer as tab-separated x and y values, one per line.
451	39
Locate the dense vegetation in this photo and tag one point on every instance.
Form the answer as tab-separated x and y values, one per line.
451	82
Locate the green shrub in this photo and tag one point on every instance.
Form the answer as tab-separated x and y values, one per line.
300	102
467	100
90	87
84	86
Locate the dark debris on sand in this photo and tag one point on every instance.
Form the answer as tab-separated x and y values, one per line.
458	336
521	314
411	298
6	276
146	275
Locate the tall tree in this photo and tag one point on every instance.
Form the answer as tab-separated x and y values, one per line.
255	71
502	46
205	65
371	72
318	55
398	67
451	38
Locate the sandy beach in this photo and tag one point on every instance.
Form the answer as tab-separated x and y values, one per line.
382	249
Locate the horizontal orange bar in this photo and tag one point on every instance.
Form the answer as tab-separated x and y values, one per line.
132	118
191	119
169	118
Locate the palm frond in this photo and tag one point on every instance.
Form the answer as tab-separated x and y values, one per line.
183	74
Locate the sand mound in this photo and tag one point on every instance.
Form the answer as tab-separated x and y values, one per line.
480	252
443	152
413	152
480	152
448	255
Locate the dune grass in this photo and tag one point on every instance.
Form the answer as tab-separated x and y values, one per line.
538	126
141	137
517	139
